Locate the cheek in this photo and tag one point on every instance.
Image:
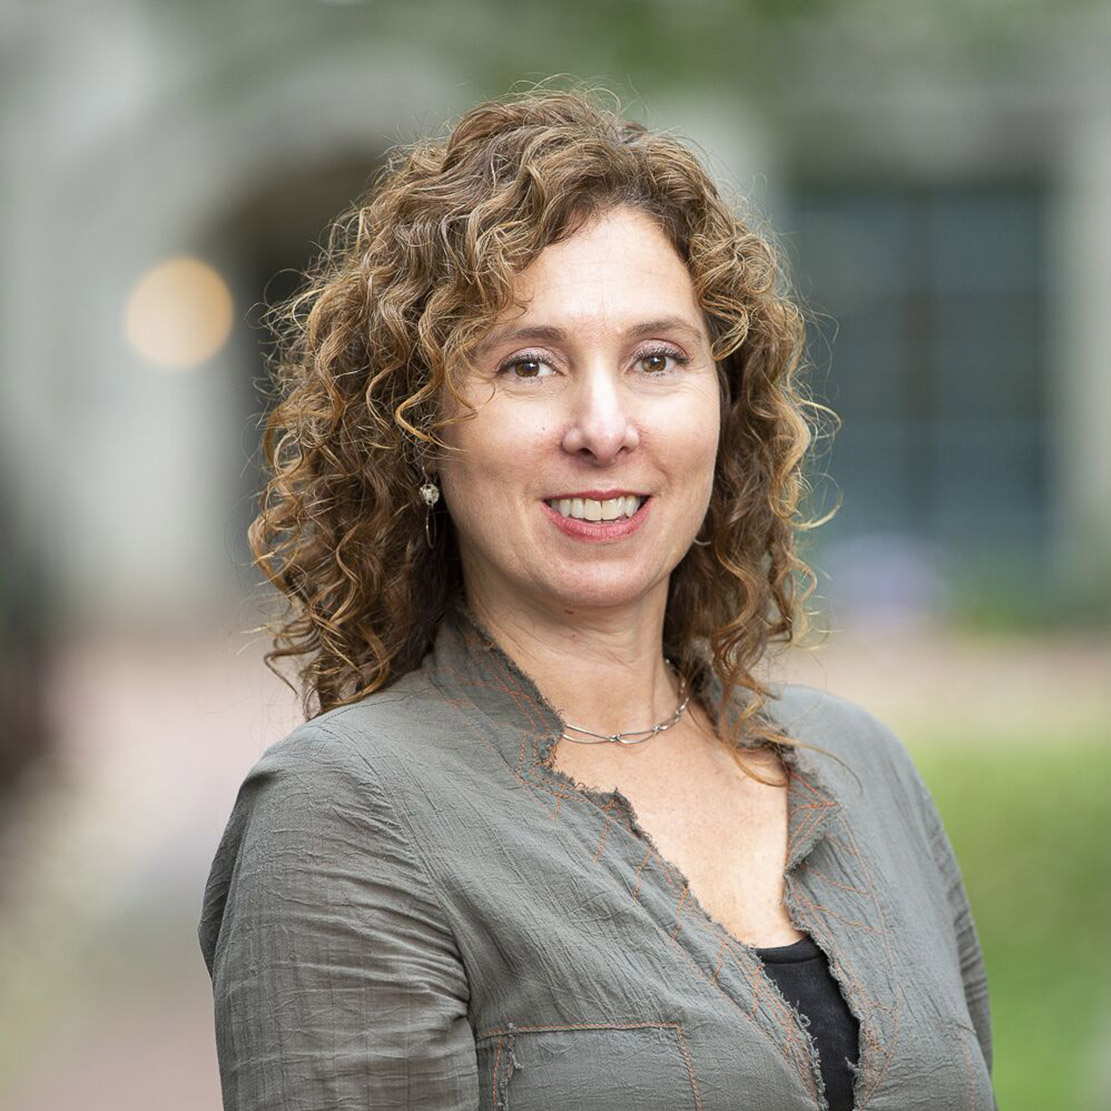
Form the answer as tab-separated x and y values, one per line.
692	436
495	460
495	455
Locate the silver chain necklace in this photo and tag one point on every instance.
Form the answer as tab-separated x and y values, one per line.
633	736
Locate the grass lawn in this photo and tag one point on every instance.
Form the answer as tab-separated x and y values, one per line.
1031	825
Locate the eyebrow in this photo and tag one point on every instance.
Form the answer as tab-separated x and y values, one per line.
549	333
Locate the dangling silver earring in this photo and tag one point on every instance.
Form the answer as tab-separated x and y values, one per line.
702	543
430	493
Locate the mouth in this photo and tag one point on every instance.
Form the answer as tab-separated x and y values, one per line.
596	509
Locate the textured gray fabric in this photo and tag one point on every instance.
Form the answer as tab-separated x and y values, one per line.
410	908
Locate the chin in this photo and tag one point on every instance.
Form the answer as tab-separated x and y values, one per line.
587	591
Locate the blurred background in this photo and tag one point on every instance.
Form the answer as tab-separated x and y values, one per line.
939	179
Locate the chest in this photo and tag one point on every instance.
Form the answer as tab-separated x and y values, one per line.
725	832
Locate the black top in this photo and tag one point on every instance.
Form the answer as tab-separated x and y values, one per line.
802	973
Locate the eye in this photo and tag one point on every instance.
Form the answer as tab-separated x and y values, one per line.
525	367
655	362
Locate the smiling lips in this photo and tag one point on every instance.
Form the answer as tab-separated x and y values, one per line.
599	518
584	508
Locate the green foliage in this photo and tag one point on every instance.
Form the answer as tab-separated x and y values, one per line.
754	47
1031	826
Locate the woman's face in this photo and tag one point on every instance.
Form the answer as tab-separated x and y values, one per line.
599	400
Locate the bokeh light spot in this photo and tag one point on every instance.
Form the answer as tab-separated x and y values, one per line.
179	314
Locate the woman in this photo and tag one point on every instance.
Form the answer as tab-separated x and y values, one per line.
544	841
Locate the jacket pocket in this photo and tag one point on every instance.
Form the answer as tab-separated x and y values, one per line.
619	1067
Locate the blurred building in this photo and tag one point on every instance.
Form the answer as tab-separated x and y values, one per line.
953	221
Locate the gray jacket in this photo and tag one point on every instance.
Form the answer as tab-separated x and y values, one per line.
410	909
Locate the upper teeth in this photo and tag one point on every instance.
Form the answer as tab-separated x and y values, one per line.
587	509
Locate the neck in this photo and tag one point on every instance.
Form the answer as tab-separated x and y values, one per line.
602	669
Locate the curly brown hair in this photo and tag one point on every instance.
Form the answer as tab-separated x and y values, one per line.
411	278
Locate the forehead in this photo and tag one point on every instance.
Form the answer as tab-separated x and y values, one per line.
616	272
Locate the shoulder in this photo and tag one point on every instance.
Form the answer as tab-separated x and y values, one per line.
395	758
311	781
867	768
851	735
364	739
829	718
314	824
328	782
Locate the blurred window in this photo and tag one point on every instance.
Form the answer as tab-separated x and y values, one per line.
927	310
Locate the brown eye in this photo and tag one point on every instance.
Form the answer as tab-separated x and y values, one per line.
526	368
664	361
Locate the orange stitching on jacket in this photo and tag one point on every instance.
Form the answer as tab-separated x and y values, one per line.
640	873
662	866
894	979
560	796
805	864
494	1077
868	1003
720	957
605	830
679	911
556	1027
512	1028
773	1006
968	1073
690	1066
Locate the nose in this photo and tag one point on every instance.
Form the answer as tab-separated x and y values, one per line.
602	422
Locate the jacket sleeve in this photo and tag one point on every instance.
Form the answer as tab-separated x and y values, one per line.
337	981
973	972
